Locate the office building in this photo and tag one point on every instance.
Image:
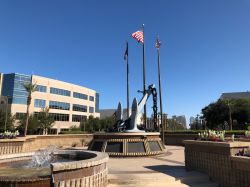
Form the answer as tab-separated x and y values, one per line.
69	104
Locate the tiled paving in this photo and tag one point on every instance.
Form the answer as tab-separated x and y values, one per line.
157	171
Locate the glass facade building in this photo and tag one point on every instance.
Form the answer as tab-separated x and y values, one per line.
14	89
69	104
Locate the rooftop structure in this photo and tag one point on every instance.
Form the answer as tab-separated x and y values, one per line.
235	95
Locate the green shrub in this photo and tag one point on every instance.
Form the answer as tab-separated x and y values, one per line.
72	132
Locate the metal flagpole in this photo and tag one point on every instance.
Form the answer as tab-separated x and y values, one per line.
127	81
158	44
144	77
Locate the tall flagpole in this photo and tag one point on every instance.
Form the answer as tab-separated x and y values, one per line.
127	83
144	77
158	44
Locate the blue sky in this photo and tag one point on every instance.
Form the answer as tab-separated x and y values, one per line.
205	46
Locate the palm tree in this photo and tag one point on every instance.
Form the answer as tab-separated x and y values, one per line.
30	88
45	120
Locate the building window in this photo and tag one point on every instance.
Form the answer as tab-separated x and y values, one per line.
60	117
80	108
91	98
97	97
60	91
19	100
79	118
40	103
19	115
91	109
41	88
59	105
80	96
22	78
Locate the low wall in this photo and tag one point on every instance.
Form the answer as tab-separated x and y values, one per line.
91	172
177	139
218	161
34	143
87	169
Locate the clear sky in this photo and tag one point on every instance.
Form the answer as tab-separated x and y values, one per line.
205	46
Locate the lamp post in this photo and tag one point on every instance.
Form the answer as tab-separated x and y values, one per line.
197	122
174	124
230	115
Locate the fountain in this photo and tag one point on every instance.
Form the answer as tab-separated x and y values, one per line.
54	167
125	139
43	158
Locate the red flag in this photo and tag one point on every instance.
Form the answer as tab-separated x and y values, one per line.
138	35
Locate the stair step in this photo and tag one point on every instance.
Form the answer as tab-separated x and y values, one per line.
165	185
172	179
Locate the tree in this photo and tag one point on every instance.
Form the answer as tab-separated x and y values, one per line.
30	88
107	122
10	121
229	111
33	124
173	124
45	120
93	124
215	114
240	113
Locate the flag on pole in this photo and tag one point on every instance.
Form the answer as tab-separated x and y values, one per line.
158	43
138	35
126	52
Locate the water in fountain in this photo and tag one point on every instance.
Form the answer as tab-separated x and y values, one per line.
43	158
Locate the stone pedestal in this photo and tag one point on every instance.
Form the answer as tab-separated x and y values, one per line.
127	144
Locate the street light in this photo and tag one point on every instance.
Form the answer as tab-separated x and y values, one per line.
174	124
230	114
197	122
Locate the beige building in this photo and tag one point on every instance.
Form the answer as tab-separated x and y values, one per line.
68	103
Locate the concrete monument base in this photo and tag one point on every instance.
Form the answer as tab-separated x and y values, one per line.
127	144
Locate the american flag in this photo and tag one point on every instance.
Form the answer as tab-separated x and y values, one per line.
138	35
158	43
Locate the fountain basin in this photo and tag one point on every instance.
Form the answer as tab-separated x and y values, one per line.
84	168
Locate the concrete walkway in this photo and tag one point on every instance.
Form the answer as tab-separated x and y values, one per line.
157	171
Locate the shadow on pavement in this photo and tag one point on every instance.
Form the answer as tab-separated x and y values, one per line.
190	178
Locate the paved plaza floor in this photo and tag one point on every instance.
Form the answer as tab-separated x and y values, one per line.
167	169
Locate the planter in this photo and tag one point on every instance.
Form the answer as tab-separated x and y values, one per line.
215	159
